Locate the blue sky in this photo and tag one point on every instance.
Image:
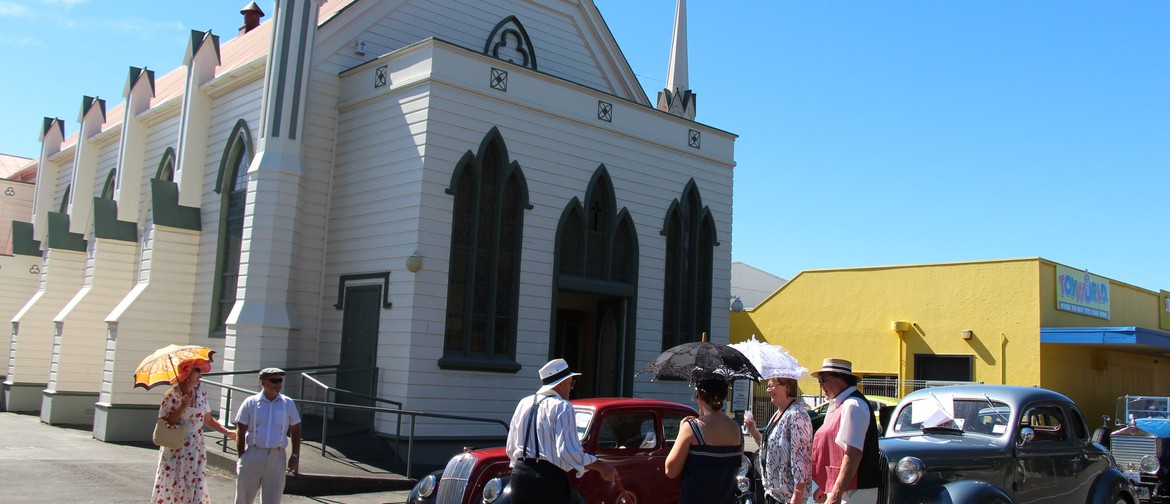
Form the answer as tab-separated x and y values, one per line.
870	133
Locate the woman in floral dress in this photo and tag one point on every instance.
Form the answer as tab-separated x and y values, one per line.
785	444
179	479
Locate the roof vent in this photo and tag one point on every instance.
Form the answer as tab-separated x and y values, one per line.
252	15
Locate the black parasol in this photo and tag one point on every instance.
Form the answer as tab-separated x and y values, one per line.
690	361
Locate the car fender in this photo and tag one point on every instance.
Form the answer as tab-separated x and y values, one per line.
413	497
970	492
1109	485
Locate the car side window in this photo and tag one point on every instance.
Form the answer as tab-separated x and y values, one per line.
628	431
1047	422
1077	424
670	425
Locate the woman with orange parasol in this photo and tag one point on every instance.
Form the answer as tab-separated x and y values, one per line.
180	474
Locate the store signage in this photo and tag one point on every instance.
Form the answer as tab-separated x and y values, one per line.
1080	292
1164	312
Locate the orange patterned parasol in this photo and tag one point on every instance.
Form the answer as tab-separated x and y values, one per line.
160	367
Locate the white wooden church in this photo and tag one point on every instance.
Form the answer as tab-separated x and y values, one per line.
450	191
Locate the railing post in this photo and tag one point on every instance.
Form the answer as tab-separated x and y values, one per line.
229	414
325	423
410	448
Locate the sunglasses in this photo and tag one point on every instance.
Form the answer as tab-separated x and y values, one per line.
275	380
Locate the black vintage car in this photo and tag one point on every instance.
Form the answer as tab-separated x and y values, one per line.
995	444
1141	448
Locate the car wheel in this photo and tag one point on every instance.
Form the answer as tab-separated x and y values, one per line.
1101	436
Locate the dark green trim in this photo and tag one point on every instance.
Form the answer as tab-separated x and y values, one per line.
384	275
135	75
240	138
197	40
22	240
49	123
59	236
108	186
168	158
491	46
595	286
65	200
239	131
483	363
467	187
165	208
106	223
87	104
299	79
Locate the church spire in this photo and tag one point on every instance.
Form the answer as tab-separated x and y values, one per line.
677	98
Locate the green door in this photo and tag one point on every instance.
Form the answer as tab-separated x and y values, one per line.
359	352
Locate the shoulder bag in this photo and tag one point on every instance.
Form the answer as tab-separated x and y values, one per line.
167	435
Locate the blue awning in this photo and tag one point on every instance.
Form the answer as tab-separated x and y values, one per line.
1125	339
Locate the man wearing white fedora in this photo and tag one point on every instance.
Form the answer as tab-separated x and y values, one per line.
845	449
542	441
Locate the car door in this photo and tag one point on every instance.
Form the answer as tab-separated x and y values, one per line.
1048	465
634	442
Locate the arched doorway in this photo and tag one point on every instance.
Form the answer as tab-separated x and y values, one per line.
595	291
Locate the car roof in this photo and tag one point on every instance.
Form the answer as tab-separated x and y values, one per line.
1007	393
599	403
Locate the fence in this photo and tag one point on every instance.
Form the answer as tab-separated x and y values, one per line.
810	392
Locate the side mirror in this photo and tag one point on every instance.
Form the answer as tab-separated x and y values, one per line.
1026	435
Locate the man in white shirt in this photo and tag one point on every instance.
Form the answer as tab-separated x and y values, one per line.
263	424
845	449
543	444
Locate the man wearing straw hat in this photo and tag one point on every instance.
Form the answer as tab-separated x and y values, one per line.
845	449
543	444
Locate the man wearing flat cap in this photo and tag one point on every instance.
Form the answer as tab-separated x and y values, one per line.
845	449
264	423
542	441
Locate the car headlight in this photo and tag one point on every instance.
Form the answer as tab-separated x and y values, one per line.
426	486
743	484
492	490
1150	464
910	470
745	465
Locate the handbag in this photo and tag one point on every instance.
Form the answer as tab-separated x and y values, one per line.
167	435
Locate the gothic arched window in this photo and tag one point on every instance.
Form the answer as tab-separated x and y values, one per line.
690	247
483	286
232	186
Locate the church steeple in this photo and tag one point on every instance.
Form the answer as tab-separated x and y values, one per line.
677	98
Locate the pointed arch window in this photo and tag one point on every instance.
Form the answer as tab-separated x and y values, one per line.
595	241
108	187
166	167
483	286
690	246
232	186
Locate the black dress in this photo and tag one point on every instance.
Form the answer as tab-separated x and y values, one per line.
708	477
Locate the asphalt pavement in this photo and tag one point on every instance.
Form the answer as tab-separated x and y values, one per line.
42	463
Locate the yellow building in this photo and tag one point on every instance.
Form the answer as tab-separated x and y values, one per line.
1016	321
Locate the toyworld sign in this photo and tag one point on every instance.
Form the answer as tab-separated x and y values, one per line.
1079	292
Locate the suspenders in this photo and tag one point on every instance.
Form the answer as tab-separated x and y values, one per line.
531	429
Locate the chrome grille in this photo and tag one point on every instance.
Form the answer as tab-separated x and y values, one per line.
1129	450
454	480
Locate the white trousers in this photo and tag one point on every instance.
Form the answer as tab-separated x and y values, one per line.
860	496
260	468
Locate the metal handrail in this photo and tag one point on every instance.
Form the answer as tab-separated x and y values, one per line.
230	388
326	405
328	389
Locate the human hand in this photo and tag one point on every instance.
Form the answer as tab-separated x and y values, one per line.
294	463
232	435
607	472
818	496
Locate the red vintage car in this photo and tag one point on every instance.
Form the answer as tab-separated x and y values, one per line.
633	435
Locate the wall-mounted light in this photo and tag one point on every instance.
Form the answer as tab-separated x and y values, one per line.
967	334
414	262
899	326
736	304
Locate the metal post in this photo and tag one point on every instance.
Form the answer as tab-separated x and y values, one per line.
325	423
410	448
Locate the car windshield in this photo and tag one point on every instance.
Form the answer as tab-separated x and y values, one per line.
583	417
975	416
1139	407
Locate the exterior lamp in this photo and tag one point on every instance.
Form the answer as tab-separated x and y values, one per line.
414	262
